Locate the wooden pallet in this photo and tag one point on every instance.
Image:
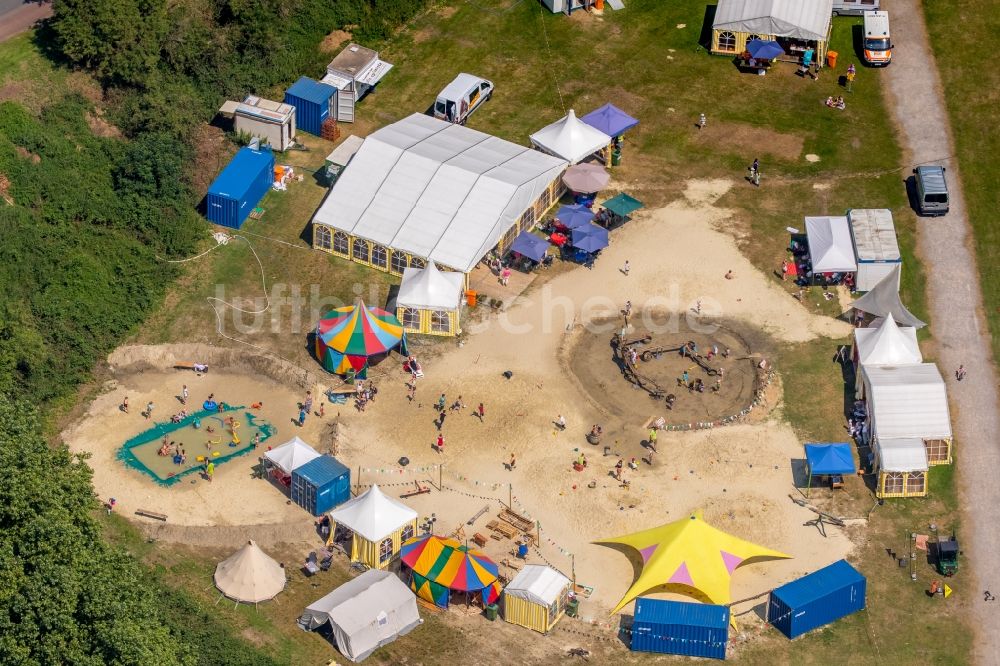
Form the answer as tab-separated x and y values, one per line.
506	529
517	520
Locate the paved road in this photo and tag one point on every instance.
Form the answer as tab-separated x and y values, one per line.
17	16
956	306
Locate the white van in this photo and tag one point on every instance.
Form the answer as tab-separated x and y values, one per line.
853	7
878	42
461	97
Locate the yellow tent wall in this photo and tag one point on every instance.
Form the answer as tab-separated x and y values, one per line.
366	552
425	322
741	45
938	451
533	616
901	484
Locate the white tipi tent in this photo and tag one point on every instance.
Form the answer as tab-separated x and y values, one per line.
249	575
570	138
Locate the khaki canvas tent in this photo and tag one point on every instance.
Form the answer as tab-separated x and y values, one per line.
571	139
364	614
379	526
536	598
902	468
249	575
795	24
428	300
909	402
884	299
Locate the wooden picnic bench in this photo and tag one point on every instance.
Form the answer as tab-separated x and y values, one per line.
151	514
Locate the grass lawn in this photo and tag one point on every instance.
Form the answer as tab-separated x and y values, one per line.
646	60
972	104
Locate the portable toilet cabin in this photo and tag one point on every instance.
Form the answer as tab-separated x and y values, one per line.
240	187
314	102
271	122
680	627
820	598
321	484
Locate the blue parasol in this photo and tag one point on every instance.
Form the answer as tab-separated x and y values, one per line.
590	238
764	49
530	246
574	216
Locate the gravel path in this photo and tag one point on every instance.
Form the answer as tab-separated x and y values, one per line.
956	306
16	17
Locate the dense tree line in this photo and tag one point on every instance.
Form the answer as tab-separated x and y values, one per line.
84	221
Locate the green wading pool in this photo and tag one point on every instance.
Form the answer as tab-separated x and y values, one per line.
207	435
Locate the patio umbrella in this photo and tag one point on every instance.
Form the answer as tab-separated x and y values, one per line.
590	238
574	215
586	178
530	245
622	205
764	49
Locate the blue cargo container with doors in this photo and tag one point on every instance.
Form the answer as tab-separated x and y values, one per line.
817	599
679	627
321	484
314	102
240	187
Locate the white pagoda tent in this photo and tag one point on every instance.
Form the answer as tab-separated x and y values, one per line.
428	300
379	523
571	139
831	249
291	455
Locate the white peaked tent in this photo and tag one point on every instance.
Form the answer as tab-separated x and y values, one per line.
831	249
365	613
291	455
888	344
902	455
535	598
907	401
375	518
570	138
430	289
249	575
883	300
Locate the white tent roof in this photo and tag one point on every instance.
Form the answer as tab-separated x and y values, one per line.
249	575
907	401
887	344
430	289
801	19
874	234
570	138
437	190
373	515
901	455
365	613
830	247
291	455
538	584
883	299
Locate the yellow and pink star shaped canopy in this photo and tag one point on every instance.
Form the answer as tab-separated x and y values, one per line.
690	557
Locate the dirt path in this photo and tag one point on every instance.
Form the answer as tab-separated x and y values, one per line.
956	308
20	18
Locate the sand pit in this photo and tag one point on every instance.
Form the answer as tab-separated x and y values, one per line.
740	475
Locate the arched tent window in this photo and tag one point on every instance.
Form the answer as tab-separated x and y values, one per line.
379	256
323	237
341	243
407	533
754	38
360	252
440	321
727	41
385	550
417	262
397	262
410	319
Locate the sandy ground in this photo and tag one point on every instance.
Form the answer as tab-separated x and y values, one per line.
740	475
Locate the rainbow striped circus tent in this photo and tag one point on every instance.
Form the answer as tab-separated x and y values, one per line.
440	566
689	557
346	338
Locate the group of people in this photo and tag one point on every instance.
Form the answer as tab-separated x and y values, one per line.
173	450
836	103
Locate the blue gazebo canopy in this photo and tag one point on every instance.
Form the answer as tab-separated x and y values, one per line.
610	119
830	459
530	246
574	216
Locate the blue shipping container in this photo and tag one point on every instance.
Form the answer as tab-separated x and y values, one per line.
817	599
240	187
313	102
321	484
678	627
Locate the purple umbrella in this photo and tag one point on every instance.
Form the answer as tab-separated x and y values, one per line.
575	215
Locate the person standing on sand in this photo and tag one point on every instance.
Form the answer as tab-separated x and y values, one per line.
184	394
441	402
149	409
440	443
210	470
960	373
652	438
481	412
322	409
560	422
308	404
513	463
124	406
626	268
618	469
302	417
